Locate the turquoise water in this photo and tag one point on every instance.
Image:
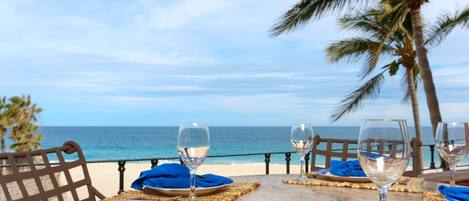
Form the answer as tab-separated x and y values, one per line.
146	142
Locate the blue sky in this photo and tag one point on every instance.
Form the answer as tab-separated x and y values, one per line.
150	63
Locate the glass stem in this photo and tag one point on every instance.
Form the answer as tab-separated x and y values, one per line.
192	195
302	165
383	193
453	174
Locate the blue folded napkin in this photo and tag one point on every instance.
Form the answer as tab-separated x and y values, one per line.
454	193
174	175
322	171
347	168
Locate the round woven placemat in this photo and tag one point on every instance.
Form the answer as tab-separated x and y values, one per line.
235	191
432	196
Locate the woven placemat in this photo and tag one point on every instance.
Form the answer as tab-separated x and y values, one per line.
404	184
235	191
432	196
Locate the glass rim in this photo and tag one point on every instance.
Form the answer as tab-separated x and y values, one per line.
384	119
452	122
306	124
193	122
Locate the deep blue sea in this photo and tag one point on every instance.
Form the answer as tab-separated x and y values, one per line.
146	142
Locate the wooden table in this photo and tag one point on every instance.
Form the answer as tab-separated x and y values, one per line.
462	177
272	188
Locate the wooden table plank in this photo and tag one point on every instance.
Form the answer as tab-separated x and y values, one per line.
462	177
272	188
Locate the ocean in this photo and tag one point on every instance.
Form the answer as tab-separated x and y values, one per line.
100	143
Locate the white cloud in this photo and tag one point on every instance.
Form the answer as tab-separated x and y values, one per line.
241	76
455	75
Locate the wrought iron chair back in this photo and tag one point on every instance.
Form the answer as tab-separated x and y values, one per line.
34	167
347	150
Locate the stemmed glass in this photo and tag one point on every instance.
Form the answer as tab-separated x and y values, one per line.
451	140
301	140
383	152
193	145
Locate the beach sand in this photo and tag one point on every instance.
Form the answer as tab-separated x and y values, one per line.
105	176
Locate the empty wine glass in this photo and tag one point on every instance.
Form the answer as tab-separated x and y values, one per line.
301	140
193	145
383	152
451	140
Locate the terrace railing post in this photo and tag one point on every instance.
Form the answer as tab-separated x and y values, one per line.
287	161
306	162
267	162
432	154
154	162
121	175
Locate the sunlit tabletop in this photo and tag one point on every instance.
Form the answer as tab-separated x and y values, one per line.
272	188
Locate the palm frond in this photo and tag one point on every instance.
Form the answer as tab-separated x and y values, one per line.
369	89
445	24
353	49
373	57
363	21
394	18
405	85
306	10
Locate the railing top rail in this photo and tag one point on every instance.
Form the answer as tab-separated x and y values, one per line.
168	158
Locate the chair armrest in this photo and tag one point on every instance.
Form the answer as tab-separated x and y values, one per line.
97	193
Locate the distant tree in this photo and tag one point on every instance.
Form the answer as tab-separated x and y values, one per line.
3	123
24	113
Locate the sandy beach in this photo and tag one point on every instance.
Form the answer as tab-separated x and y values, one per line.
105	176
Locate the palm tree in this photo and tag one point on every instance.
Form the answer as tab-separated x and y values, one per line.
308	10
378	41
384	38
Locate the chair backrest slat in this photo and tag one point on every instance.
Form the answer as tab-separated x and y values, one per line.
6	193
345	151
31	171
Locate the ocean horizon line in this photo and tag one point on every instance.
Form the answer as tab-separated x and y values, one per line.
172	126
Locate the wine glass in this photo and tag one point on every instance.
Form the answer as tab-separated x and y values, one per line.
383	152
301	140
193	145
451	140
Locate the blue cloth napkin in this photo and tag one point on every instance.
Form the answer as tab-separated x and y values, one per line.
322	171
174	175
454	193
348	168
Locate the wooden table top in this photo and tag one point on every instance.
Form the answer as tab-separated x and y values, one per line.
462	177
272	188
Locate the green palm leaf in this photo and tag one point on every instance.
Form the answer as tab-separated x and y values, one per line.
445	24
369	89
305	10
405	85
361	22
354	49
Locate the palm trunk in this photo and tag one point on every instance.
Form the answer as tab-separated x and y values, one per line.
424	66
428	85
415	110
